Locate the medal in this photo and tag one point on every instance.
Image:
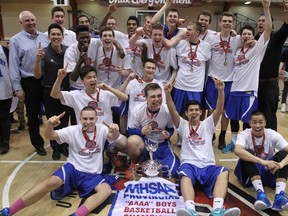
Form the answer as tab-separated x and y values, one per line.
107	61
133	61
157	56
225	63
225	46
192	55
88	61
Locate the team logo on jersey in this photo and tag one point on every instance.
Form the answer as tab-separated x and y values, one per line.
190	62
99	110
140	97
90	148
220	49
241	59
88	61
195	141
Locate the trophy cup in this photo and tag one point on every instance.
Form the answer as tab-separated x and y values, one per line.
151	167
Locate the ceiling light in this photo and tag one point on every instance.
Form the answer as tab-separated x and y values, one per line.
247	3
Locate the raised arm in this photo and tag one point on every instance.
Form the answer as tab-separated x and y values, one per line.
124	85
113	131
53	122
219	84
169	43
121	96
111	9
268	21
56	89
39	57
156	18
171	106
134	40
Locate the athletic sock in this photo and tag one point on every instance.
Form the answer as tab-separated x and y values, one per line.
280	186
190	204
218	202
82	211
257	184
17	206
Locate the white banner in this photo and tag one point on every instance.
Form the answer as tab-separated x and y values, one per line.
152	196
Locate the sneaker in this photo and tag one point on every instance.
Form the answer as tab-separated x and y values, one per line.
5	212
4	148
221	142
226	212
186	212
283	107
280	202
229	148
262	201
20	129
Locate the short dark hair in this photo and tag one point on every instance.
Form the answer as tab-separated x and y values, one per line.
81	17
133	18
173	10
53	26
226	13
257	113
151	86
248	27
81	28
88	108
55	9
106	28
264	15
85	70
192	102
149	60
205	13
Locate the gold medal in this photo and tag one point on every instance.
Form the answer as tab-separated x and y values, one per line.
225	64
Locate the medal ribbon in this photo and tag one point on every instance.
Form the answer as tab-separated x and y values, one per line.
192	56
192	131
151	114
225	47
110	60
86	137
259	149
158	54
97	95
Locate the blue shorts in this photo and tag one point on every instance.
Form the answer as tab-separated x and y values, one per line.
121	109
73	179
241	105
181	97
211	94
268	179
204	177
165	155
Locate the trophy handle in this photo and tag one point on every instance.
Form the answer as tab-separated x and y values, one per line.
166	167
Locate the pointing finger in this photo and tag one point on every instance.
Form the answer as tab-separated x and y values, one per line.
66	67
61	115
39	45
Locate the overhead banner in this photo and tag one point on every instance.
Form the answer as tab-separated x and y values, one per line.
150	3
147	197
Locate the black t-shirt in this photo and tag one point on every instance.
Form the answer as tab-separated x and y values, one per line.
270	63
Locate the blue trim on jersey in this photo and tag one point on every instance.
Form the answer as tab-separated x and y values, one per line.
135	131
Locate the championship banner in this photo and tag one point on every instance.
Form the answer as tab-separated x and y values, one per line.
153	196
150	3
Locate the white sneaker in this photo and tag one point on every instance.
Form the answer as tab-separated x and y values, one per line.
283	107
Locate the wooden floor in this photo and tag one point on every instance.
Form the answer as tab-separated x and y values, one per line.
21	168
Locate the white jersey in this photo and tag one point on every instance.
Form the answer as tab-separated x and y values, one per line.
122	39
141	117
135	91
272	140
167	59
191	74
197	150
135	58
109	74
69	37
207	34
247	67
5	83
85	157
72	56
219	67
148	196
78	99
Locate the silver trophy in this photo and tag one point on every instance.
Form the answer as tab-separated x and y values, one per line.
152	167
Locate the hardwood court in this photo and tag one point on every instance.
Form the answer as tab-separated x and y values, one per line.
22	168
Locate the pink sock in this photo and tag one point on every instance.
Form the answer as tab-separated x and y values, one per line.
17	206
82	211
